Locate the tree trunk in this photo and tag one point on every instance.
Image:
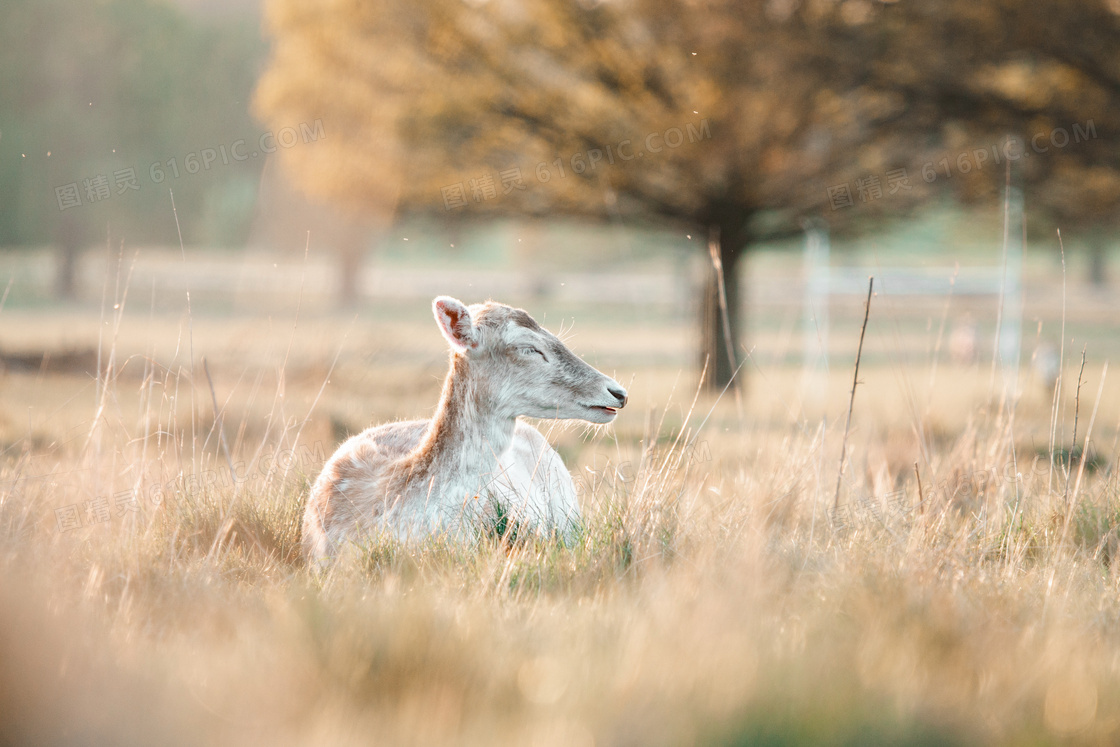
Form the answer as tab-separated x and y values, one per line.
69	244
1098	262
349	266
350	239
719	332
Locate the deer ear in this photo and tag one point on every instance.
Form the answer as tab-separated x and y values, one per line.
454	320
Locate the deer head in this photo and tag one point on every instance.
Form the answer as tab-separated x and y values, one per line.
517	367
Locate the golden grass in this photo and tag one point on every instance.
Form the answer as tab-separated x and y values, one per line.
713	597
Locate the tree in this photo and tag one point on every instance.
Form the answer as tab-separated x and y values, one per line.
95	97
1036	83
734	117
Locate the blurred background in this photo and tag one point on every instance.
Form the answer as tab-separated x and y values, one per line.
700	188
222	223
651	163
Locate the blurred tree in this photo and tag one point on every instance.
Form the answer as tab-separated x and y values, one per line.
739	118
93	96
1036	85
612	110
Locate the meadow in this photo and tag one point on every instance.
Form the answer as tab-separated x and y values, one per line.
960	587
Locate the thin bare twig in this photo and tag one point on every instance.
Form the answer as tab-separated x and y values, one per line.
218	422
1072	500
1076	411
921	494
1088	435
852	400
190	335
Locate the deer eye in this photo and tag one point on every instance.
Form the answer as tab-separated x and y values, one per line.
529	350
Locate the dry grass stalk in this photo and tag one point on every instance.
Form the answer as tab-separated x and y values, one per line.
852	399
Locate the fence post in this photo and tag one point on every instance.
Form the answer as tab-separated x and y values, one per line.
1011	315
815	350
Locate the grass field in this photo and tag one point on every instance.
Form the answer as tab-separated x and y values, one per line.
965	592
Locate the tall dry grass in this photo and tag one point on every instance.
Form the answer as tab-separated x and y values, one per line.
967	593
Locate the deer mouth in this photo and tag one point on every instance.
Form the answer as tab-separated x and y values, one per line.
607	410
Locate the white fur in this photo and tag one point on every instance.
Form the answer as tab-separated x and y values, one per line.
448	474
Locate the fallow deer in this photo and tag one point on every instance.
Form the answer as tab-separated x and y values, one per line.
474	461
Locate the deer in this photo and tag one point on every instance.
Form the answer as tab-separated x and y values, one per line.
475	460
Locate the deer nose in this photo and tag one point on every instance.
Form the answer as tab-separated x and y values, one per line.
619	394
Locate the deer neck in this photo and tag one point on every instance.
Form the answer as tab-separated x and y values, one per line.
468	432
